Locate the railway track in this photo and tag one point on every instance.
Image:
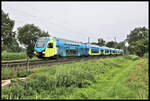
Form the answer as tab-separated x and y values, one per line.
36	63
31	62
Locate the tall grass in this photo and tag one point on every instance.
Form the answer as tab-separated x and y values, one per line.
6	56
94	79
9	73
138	79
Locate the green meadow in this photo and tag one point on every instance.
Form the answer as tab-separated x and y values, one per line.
122	77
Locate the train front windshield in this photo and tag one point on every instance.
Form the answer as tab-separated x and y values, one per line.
41	42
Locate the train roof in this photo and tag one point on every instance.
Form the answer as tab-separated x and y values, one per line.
66	40
117	50
121	50
112	49
101	47
105	47
94	46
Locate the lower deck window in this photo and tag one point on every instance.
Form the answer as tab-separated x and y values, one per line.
71	51
95	51
106	51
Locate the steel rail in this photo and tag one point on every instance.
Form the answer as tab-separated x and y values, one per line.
48	62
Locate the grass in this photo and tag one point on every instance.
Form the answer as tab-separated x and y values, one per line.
9	73
95	79
138	79
11	56
6	56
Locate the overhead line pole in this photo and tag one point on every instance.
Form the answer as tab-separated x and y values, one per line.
115	41
88	40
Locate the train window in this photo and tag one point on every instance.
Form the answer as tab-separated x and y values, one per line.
95	51
71	52
50	45
106	51
40	42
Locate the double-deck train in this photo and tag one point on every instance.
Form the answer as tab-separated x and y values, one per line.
46	47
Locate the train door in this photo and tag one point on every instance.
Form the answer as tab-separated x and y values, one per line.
51	49
102	52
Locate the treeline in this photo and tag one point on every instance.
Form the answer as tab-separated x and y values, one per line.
112	44
137	41
27	35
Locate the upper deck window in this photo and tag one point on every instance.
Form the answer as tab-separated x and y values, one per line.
41	42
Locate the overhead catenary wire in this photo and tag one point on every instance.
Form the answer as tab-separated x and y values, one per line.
52	23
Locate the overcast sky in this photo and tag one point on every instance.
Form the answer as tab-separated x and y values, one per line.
80	20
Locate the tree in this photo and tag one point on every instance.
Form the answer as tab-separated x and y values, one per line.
101	42
28	34
120	45
7	35
9	41
138	41
15	46
94	43
111	44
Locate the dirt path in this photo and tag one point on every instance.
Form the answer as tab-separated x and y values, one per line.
6	83
113	84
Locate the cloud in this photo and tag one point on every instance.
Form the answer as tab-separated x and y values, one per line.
80	20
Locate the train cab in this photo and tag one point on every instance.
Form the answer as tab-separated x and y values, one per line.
121	52
45	47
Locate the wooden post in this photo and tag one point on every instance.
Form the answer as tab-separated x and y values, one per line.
28	64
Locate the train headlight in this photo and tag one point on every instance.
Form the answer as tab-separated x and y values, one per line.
34	52
43	53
